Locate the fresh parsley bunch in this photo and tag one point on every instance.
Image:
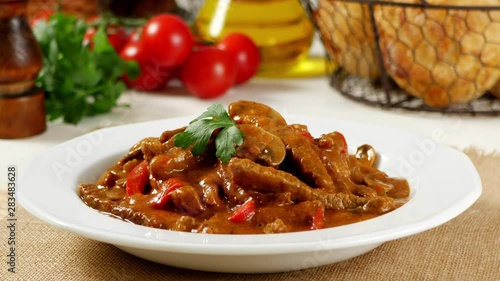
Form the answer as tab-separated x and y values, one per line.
78	81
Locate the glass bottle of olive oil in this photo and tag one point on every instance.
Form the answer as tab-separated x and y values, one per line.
280	28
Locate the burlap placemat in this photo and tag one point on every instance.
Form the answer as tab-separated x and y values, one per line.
466	248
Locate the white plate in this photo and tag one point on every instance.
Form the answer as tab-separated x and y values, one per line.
443	183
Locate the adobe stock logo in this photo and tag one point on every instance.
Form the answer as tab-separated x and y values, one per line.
416	158
77	152
424	149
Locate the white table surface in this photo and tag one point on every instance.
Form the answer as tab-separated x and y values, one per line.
289	96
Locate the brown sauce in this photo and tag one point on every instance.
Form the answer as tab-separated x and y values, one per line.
293	182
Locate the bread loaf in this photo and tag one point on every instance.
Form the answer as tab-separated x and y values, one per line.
444	56
348	36
496	90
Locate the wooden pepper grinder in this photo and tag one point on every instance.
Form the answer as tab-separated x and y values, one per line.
22	105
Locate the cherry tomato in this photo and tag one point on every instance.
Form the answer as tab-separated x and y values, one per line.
246	55
152	76
201	43
116	36
135	35
167	39
208	73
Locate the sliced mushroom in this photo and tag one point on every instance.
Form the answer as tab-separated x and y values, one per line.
372	180
366	154
261	146
136	152
176	160
249	112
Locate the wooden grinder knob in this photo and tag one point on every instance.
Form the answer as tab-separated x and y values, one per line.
22	106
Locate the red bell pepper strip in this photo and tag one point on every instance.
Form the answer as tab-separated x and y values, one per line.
344	142
244	212
307	136
137	179
318	220
165	194
379	189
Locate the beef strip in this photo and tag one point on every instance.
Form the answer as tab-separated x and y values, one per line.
93	197
167	135
269	180
135	152
150	147
297	214
260	115
232	191
276	226
303	154
210	187
187	200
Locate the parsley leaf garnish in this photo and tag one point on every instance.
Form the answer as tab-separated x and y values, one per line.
200	130
78	81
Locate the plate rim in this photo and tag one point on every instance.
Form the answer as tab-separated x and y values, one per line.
252	248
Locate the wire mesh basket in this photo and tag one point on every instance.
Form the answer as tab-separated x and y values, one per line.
420	55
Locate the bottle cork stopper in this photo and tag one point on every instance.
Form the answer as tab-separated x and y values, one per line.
22	115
